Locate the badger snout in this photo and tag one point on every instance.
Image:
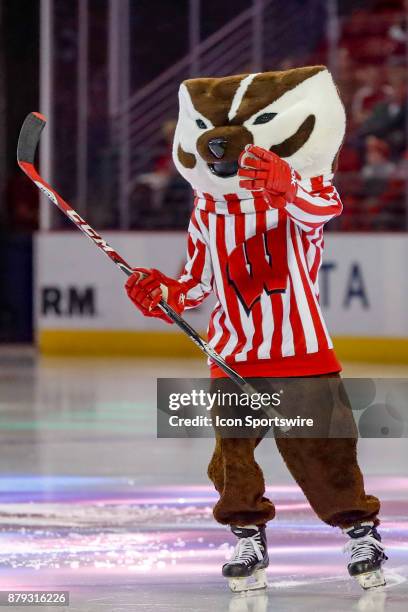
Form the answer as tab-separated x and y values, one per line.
217	147
221	147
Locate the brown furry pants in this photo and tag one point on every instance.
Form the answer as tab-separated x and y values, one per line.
326	470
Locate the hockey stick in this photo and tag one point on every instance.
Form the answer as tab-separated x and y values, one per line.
28	141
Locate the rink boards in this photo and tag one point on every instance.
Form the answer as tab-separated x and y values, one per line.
81	306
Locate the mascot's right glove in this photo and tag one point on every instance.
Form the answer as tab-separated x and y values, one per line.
147	287
265	171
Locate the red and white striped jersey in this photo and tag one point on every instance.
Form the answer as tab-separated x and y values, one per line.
263	264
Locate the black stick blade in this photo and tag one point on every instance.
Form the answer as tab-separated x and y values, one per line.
30	134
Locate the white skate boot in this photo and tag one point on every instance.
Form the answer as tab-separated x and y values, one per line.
367	555
246	569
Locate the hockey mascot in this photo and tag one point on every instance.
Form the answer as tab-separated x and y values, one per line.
259	151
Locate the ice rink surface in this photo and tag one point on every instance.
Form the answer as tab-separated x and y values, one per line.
92	503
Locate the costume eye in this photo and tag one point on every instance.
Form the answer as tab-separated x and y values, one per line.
200	123
264	118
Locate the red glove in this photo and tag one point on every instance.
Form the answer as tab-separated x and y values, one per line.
268	173
147	287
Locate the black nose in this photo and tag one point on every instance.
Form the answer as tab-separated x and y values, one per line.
217	147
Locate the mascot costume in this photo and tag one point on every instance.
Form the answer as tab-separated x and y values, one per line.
259	151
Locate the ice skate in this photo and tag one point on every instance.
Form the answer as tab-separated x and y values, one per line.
249	601
367	555
246	569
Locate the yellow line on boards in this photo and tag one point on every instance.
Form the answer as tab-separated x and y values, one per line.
115	342
166	344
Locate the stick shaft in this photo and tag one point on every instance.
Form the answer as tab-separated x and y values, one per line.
28	141
26	148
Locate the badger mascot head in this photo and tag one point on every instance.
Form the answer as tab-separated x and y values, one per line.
296	113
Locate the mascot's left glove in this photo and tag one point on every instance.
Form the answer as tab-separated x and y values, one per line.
265	171
147	287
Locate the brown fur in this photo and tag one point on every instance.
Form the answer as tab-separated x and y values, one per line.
328	473
240	483
236	136
325	468
188	160
212	97
270	86
292	144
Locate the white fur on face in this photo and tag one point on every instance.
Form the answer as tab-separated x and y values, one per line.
316	96
239	95
187	133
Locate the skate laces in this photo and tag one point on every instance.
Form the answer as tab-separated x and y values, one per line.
363	548
246	549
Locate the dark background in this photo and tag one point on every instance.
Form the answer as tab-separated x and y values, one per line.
370	70
19	89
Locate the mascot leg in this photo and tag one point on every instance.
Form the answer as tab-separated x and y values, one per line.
242	505
329	475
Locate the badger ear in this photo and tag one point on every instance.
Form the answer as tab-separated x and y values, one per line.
185	101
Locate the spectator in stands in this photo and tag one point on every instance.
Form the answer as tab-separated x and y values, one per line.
387	119
162	166
161	198
393	201
397	33
151	186
345	75
372	91
377	168
376	174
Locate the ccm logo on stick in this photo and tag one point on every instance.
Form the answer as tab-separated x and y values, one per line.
88	230
68	301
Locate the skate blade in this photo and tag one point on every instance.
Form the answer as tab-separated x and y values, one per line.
371	580
249	583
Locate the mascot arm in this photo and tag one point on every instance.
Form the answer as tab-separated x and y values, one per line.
262	170
197	276
146	287
311	210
